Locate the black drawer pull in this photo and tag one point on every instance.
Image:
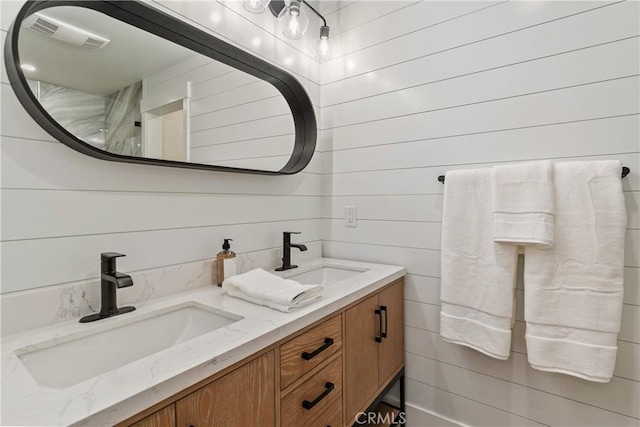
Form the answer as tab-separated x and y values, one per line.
308	405
379	314
383	308
328	342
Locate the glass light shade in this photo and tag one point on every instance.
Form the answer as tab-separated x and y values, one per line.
293	20
255	6
321	46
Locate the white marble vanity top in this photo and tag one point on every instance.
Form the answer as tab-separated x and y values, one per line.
120	393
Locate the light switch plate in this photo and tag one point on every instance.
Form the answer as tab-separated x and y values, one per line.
350	219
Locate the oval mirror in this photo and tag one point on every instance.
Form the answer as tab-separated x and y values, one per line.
122	81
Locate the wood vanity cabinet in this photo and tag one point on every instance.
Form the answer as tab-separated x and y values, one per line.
165	417
243	397
374	346
320	376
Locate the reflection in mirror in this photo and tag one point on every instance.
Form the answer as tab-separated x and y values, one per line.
129	92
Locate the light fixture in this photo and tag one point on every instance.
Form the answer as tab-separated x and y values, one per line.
295	22
321	47
255	6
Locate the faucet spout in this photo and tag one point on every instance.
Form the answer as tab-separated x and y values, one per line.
120	280
299	246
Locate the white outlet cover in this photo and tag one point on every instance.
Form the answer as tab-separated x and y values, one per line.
350	218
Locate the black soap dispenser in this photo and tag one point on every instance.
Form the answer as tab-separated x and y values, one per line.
226	262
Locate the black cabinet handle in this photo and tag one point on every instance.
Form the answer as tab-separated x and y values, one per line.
328	388
383	308
328	342
379	314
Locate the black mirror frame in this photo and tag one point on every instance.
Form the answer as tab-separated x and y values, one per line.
167	27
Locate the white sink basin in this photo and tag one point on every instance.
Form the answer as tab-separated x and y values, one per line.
324	275
65	361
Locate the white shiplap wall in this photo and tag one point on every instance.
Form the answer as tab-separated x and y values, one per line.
236	119
60	209
416	89
419	88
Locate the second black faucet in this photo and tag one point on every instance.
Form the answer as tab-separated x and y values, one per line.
286	250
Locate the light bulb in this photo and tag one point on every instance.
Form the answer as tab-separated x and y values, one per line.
321	46
323	51
293	29
255	6
295	22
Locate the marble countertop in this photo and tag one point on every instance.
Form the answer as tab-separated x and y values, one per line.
120	393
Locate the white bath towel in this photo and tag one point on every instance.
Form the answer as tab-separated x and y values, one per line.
263	288
573	292
478	274
523	211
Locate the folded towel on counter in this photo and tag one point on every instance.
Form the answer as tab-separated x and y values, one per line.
263	288
523	211
478	274
573	292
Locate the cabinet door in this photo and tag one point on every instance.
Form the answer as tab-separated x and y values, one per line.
165	417
391	351
244	397
361	355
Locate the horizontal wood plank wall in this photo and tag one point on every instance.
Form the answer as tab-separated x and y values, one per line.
420	88
235	119
60	209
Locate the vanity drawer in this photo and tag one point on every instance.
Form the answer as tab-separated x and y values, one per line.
303	405
331	417
309	350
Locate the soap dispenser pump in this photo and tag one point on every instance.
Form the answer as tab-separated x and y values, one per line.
226	262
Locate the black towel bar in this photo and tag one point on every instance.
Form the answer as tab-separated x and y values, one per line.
625	172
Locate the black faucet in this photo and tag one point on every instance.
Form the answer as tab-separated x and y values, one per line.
286	255
110	280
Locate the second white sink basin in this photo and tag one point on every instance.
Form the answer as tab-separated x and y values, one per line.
324	275
65	361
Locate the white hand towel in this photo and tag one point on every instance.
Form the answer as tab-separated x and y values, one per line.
523	210
573	292
478	274
263	288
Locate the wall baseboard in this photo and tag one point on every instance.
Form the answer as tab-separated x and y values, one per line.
420	417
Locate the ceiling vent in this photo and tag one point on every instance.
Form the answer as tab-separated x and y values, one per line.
67	33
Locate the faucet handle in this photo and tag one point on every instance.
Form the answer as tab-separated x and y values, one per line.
292	232
107	256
